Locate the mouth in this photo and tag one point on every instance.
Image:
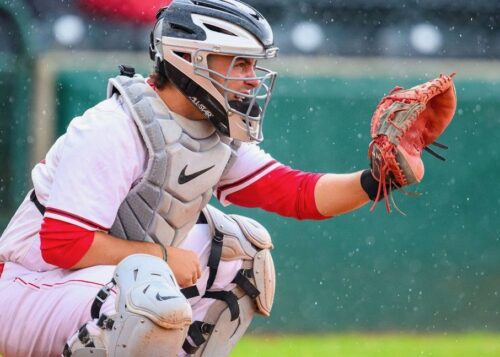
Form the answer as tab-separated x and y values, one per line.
245	106
238	98
241	97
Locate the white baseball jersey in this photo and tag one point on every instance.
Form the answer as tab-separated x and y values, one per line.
88	172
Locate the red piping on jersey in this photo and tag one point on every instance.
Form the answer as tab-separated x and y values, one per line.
59	284
1	269
75	217
246	178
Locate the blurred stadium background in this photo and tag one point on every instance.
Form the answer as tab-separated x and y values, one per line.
435	271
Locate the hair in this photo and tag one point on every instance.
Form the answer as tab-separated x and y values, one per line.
160	80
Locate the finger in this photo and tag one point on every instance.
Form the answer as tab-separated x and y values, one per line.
195	279
188	282
198	271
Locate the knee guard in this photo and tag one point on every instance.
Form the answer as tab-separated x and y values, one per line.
234	237
151	317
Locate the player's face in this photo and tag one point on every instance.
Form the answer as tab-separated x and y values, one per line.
231	67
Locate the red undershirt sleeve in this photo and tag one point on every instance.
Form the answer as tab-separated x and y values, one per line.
283	190
64	244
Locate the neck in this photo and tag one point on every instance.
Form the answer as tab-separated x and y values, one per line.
178	103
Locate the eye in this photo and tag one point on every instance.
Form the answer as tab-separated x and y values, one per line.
241	64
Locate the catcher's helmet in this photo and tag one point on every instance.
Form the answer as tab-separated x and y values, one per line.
224	27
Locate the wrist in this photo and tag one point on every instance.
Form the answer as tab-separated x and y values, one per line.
371	186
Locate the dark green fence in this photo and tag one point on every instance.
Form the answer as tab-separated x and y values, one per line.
15	84
437	268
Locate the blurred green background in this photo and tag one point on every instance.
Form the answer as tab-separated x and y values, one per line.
435	269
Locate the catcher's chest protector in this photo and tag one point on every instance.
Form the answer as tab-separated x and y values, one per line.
185	161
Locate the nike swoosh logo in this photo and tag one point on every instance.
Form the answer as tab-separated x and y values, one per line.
163	298
183	178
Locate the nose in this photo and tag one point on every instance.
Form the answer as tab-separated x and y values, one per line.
250	78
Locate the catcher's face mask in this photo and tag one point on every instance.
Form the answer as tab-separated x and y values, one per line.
245	89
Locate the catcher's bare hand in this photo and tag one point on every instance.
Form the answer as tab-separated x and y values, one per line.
185	266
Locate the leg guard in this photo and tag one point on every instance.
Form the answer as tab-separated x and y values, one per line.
151	314
234	237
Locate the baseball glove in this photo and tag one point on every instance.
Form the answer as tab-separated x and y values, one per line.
405	122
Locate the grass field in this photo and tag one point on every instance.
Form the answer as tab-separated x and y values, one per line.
367	345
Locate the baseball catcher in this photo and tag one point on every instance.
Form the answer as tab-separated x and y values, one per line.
116	252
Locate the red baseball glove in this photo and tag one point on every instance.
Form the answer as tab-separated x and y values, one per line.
405	123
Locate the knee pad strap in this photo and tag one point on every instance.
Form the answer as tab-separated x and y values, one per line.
234	237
